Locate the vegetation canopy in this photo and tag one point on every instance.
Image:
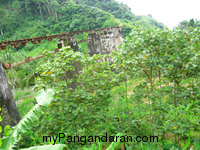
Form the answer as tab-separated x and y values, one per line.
150	88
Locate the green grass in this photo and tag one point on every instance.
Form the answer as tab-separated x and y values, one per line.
25	100
20	94
25	106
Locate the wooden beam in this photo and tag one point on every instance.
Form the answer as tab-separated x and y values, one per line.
28	59
34	40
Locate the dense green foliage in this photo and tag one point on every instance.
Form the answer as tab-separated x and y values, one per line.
31	18
169	62
70	17
151	88
189	24
43	99
120	11
28	18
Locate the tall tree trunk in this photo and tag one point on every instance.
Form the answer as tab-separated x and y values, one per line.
1	32
1	25
7	101
41	12
48	9
56	14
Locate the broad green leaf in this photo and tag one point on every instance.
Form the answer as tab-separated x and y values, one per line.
47	147
113	145
44	98
0	142
187	143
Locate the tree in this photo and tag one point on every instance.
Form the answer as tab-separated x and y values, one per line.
191	23
55	6
3	16
6	99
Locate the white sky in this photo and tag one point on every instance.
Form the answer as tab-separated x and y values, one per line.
169	12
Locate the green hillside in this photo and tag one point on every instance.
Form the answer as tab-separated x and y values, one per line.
31	18
27	18
146	98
